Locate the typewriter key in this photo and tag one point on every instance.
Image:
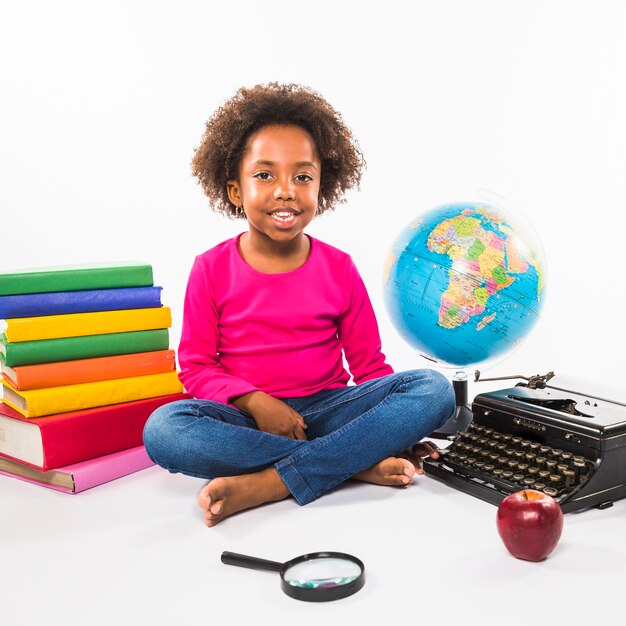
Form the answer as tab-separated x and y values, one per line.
513	464
550	491
566	456
579	469
555	479
522	467
489	467
544	449
551	465
556	453
562	468
507	475
540	462
570	477
497	472
544	474
518	478
534	446
529	482
533	472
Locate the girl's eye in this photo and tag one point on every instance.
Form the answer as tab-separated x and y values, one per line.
262	175
303	178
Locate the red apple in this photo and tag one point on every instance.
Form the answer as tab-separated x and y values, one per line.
530	524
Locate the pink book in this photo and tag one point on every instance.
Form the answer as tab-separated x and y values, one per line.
80	476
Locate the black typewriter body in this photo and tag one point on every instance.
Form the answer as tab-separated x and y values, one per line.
566	444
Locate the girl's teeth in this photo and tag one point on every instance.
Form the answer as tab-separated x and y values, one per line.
283	217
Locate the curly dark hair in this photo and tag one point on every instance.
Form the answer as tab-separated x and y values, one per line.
224	142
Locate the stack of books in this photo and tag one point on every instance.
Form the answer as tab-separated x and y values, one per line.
85	360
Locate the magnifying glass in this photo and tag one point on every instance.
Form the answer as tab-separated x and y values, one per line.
315	577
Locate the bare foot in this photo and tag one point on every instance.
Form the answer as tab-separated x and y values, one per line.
224	496
418	451
390	471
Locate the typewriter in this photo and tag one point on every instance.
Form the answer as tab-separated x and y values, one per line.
567	444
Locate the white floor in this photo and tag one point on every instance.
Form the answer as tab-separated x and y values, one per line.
135	551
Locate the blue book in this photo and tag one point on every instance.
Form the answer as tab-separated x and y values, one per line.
87	301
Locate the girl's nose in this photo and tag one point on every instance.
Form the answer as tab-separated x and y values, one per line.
284	190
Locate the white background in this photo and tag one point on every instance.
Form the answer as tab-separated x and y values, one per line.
103	103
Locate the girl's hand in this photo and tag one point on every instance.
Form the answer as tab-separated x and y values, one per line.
272	415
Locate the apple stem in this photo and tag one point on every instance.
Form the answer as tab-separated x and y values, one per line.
525	495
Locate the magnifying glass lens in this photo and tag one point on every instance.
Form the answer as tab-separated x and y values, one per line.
322	572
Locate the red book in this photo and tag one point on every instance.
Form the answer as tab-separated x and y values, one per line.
65	438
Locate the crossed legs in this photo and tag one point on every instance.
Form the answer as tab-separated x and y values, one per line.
367	432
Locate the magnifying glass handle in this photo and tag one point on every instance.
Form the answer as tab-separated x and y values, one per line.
243	560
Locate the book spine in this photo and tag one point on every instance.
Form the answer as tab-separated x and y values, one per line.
40	402
77	436
82	324
111	467
71	348
77	279
63	302
90	370
94	472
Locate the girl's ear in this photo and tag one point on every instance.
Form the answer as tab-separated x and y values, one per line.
234	192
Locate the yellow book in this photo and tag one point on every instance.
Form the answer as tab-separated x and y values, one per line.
51	400
81	324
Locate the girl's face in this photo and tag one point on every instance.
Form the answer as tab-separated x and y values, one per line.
279	182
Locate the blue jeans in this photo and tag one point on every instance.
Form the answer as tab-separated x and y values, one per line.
349	430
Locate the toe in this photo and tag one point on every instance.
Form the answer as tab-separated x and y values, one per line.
204	499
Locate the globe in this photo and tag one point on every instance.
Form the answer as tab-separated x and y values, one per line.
464	283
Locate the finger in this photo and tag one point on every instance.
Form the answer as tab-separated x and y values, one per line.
300	420
299	433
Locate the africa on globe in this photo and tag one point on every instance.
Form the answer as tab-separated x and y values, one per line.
464	282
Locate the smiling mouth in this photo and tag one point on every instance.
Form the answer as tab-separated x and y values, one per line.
284	217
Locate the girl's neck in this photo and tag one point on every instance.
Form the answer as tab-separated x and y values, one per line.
271	257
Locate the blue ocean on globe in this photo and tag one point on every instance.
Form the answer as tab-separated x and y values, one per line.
464	283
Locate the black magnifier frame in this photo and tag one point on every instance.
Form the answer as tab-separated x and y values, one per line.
308	594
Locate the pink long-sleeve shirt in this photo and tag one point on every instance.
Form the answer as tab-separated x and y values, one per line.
284	334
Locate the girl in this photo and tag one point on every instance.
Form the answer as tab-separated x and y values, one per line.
269	316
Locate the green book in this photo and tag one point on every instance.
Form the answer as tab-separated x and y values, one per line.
71	348
75	278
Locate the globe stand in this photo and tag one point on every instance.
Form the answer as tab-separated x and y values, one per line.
462	415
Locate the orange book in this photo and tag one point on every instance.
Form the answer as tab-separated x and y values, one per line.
89	370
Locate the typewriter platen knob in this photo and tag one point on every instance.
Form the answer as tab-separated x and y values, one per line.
572	437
